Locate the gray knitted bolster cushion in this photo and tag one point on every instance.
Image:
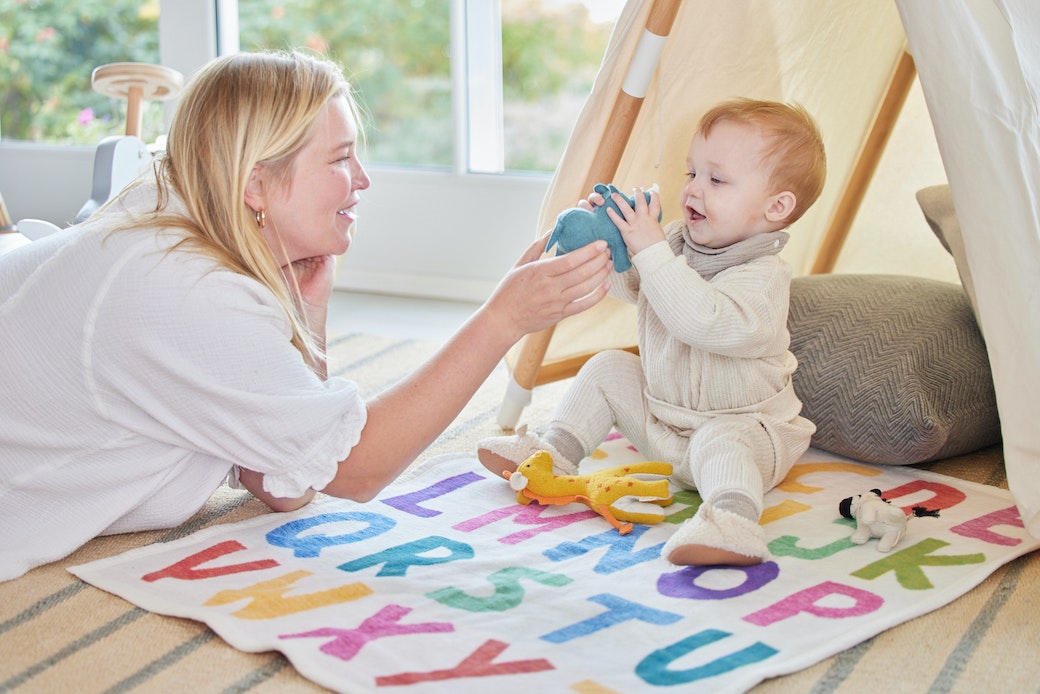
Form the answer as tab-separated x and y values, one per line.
891	369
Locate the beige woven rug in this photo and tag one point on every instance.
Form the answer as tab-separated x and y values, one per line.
59	634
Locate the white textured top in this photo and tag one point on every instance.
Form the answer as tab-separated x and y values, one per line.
133	376
711	347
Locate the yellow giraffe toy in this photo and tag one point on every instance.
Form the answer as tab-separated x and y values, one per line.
601	490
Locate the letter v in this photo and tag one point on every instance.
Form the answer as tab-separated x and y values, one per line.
186	569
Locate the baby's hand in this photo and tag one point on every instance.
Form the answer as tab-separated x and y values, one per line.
594	200
638	226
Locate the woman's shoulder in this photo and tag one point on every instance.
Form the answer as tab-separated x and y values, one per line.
171	265
163	265
173	290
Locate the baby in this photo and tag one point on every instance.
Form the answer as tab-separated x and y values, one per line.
711	390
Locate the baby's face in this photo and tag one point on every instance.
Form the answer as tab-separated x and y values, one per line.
728	192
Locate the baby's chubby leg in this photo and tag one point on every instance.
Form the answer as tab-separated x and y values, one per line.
729	457
607	392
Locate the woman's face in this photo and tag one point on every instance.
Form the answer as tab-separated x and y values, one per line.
313	213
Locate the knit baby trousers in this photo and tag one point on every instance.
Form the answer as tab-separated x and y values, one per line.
747	453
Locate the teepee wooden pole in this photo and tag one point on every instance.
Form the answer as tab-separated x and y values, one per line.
856	188
602	168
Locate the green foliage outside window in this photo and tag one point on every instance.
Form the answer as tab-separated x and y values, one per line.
48	49
395	52
551	53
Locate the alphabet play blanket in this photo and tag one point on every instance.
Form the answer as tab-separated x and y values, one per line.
446	583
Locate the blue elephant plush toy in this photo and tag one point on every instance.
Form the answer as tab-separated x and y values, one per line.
576	227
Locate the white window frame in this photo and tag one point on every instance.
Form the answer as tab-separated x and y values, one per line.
477	84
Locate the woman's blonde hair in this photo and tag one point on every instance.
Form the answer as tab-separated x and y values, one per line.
239	111
795	149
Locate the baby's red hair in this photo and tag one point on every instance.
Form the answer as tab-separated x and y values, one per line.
795	148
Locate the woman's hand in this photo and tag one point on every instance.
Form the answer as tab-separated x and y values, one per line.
406	417
310	280
540	292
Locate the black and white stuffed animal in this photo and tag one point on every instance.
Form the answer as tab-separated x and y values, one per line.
876	517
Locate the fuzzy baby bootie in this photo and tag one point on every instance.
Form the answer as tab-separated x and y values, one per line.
716	537
501	453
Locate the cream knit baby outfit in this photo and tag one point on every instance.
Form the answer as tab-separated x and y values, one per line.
711	392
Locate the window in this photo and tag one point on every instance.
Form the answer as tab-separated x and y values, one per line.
472	85
396	54
551	51
48	50
528	66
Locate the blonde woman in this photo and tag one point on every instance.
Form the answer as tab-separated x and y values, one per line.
176	337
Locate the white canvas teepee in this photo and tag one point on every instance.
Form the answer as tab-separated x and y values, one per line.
979	65
836	59
833	58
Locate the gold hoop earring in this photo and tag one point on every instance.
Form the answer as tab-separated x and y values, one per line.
261	218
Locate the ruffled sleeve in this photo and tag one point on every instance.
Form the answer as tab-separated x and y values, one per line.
320	467
180	351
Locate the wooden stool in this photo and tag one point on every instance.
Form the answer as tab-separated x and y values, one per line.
136	82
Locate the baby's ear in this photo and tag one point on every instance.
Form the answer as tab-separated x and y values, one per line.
781	206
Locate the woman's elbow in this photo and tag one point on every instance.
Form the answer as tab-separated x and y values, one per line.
285	505
359	490
254	482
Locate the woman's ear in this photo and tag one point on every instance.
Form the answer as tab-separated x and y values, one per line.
254	193
781	206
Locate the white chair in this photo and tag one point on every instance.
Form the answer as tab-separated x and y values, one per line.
120	159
